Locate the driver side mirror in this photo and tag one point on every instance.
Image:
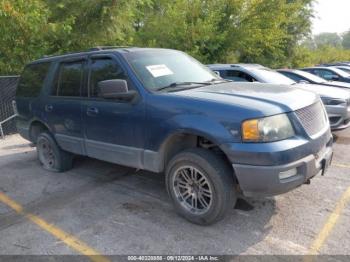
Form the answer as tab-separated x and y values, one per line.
115	89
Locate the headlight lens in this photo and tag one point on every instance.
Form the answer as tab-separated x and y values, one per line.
267	129
332	102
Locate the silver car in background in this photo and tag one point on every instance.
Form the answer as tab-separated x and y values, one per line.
337	103
336	100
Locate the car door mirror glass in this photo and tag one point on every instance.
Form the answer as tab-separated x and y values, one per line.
115	89
112	88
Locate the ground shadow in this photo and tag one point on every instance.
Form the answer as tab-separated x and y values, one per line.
128	210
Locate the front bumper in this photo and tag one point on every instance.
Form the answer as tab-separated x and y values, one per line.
339	116
257	166
265	180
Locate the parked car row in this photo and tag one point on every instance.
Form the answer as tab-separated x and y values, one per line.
163	111
344	66
335	95
329	73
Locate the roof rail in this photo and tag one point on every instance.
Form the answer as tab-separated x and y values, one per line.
68	53
99	48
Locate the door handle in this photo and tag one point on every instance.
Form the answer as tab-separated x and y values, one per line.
48	108
92	111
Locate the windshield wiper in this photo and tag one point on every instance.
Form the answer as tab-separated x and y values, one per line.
183	84
214	81
190	84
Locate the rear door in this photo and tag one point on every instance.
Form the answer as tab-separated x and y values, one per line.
114	129
63	105
28	95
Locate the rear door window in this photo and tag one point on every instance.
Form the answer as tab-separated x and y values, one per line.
32	79
69	79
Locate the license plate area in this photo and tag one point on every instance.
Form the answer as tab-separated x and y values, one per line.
325	163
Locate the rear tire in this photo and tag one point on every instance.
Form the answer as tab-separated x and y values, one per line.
201	186
51	156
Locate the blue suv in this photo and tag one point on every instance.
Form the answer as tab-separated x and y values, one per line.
163	111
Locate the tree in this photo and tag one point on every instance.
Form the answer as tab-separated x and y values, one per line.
265	31
270	30
23	28
92	22
328	39
346	40
31	29
257	31
195	26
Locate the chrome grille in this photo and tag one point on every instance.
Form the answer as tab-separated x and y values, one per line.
313	118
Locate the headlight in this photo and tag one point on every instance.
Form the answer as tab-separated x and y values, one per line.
267	129
332	102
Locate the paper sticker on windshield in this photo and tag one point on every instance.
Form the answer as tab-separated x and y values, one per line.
159	70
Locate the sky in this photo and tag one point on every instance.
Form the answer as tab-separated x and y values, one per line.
331	16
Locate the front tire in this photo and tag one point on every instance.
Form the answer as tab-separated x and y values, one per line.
201	186
51	156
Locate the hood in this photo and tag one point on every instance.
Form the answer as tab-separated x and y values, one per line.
325	91
266	98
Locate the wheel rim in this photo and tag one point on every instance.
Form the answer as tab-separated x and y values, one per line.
192	189
46	154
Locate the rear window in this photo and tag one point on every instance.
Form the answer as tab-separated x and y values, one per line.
32	80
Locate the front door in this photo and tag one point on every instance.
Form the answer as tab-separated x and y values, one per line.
113	128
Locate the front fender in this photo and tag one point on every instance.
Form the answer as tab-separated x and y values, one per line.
198	125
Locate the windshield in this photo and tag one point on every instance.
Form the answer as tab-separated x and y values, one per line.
346	69
340	72
272	77
311	77
159	68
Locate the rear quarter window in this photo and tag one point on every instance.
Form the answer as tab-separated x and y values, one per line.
32	80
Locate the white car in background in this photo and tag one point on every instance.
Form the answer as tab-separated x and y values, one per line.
335	100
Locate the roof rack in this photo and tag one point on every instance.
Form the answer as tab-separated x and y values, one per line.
68	53
99	48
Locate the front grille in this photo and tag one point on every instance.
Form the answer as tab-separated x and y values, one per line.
313	118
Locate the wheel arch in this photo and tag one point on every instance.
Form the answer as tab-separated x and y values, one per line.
35	128
186	139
